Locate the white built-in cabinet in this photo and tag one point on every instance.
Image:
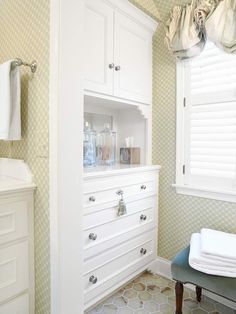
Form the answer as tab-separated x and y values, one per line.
118	51
118	90
16	238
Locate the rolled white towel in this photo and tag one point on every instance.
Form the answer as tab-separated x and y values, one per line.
218	245
208	265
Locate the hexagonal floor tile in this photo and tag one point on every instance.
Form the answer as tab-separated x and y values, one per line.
151	306
144	296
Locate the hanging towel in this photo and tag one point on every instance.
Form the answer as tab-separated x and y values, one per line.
218	245
208	265
10	119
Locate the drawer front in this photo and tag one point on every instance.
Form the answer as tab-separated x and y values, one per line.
97	216
116	251
102	191
19	305
103	273
13	221
14	270
121	225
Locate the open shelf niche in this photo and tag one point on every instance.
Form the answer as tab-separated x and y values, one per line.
127	120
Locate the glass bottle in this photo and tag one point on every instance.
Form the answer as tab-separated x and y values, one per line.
106	146
89	146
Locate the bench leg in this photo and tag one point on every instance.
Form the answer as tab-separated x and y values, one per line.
198	293
179	291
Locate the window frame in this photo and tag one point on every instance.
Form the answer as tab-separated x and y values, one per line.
181	120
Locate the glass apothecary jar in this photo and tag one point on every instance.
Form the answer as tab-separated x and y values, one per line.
89	146
106	146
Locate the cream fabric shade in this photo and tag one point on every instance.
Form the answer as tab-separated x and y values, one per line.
221	26
184	38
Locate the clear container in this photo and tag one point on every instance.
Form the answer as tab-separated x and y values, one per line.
106	146
89	147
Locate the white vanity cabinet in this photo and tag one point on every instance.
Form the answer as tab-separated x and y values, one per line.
117	248
118	50
16	238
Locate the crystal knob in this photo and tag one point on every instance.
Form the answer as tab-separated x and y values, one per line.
143	187
92	236
117	68
143	251
93	280
92	199
111	66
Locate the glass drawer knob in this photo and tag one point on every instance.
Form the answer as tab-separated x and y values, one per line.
92	236
92	199
93	280
143	251
143	187
143	217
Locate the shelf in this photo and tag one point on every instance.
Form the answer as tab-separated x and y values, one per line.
117	169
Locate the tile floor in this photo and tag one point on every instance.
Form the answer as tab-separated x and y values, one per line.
154	294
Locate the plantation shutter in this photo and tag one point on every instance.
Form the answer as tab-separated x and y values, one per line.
210	119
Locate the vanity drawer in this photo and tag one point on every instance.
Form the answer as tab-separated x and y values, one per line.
19	305
134	257
94	217
13	221
14	270
117	250
118	227
102	191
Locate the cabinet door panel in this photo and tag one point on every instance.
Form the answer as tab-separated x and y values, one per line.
98	47
133	53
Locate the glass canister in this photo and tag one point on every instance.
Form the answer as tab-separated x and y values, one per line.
89	147
106	146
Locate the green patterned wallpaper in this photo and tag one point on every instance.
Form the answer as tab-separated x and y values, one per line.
179	216
24	33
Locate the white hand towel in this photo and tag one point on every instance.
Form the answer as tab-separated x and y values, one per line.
218	244
208	265
10	119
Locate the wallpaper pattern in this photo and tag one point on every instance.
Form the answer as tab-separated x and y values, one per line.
24	33
179	215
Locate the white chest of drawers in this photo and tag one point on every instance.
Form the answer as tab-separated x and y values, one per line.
117	248
16	238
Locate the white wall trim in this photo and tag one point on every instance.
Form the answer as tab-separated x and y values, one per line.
228	196
162	267
65	159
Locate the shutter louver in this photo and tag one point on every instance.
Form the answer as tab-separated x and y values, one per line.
211	102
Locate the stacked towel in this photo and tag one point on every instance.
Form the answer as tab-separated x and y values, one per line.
10	119
213	252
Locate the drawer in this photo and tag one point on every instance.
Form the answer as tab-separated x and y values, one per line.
102	191
102	215
14	270
121	225
118	264
121	268
116	251
19	305
13	221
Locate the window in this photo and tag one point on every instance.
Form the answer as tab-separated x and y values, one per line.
206	125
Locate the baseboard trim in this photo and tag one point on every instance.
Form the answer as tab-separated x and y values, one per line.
162	267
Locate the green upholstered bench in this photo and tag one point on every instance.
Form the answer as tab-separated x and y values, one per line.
182	273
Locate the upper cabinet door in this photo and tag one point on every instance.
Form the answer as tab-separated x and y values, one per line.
133	60
99	47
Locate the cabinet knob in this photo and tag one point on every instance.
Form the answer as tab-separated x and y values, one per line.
92	236
143	187
143	251
92	199
143	217
120	192
93	280
117	68
111	66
